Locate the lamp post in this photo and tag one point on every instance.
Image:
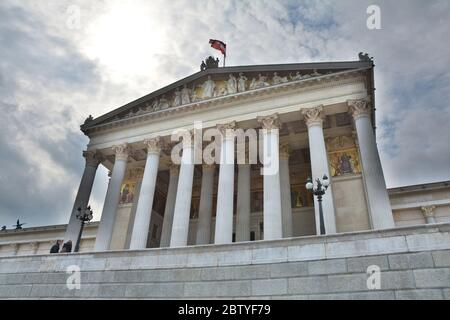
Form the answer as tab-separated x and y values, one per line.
84	216
319	191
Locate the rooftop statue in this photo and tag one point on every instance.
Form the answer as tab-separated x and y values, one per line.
209	63
364	57
88	119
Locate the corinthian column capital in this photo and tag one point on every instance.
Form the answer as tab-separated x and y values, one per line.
122	151
153	145
359	108
428	211
270	122
93	158
313	116
226	126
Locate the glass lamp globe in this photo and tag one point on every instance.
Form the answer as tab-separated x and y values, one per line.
325	181
309	184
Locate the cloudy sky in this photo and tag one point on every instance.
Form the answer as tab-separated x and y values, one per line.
63	60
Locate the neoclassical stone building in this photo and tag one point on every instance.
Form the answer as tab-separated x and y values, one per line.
309	119
324	114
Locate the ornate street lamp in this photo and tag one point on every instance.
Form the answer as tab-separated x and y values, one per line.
84	216
319	191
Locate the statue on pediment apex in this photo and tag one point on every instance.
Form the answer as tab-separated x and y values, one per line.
209	63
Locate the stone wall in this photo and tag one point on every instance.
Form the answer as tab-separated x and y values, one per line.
414	263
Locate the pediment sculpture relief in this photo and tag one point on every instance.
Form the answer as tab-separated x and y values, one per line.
212	88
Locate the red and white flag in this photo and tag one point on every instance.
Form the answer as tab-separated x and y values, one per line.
219	45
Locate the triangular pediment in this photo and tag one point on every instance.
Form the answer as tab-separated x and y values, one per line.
222	82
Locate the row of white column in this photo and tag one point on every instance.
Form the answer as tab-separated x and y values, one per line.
277	212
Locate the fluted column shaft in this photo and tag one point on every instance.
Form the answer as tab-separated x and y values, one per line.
243	203
180	226
145	203
378	198
108	219
272	193
205	207
93	159
319	166
225	191
286	205
170	207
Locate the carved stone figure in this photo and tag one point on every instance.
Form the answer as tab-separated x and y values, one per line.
297	76
163	103
220	92
194	96
242	82
177	99
315	73
208	88
277	79
253	84
231	84
185	95
154	105
262	81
